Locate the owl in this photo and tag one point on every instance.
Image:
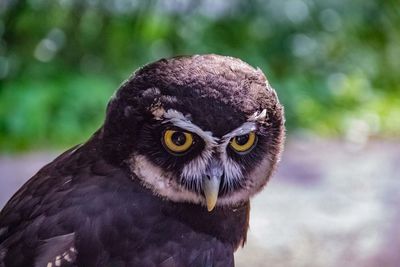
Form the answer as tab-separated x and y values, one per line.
165	181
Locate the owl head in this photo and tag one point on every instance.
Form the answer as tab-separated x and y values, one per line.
203	129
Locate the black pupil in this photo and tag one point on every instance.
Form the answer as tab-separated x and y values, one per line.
242	139
178	138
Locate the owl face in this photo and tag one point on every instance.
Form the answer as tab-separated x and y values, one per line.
202	129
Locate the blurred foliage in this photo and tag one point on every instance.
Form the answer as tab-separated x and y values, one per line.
334	63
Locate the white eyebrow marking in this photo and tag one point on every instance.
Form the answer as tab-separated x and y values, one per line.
179	120
249	126
245	128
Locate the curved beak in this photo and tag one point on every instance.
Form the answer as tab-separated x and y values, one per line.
211	184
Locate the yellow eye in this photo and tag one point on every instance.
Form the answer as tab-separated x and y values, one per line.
176	141
243	143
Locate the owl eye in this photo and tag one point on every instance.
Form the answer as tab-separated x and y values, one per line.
176	141
243	143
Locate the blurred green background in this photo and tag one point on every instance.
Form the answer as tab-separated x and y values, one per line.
334	63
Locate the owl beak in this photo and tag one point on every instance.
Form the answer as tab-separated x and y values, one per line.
211	184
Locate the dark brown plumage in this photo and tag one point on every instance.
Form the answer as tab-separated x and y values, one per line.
125	199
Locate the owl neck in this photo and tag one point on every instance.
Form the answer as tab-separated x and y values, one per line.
228	224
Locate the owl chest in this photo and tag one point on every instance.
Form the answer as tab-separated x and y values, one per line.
161	235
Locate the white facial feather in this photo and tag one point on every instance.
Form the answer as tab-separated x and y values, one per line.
194	171
160	182
232	171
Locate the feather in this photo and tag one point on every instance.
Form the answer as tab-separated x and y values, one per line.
57	251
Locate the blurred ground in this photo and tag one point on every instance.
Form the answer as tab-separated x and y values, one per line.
330	204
